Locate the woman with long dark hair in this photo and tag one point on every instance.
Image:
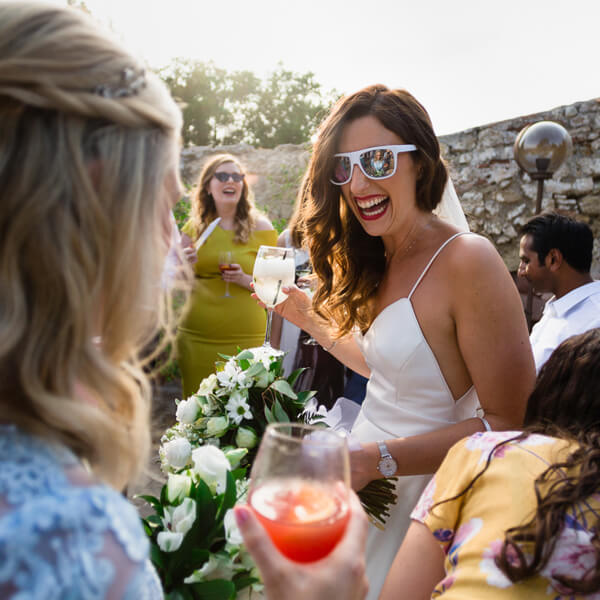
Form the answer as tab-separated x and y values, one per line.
407	298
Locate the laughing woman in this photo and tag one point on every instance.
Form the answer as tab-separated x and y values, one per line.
423	308
221	314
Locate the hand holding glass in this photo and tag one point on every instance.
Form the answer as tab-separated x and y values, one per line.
225	260
273	269
299	489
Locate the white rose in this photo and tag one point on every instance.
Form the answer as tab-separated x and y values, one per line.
211	465
177	452
178	487
217	426
232	531
207	385
246	437
187	411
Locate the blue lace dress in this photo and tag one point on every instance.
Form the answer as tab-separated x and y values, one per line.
64	536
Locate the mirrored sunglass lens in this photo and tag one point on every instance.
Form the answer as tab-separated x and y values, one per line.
377	163
341	169
237	177
222	177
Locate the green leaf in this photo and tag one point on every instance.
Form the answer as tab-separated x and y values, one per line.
279	413
283	387
224	356
156	556
304	397
292	378
217	589
245	355
154	520
244	364
242	580
256	369
269	415
229	497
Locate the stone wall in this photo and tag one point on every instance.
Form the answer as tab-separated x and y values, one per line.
497	197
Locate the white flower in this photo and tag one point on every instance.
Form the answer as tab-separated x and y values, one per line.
207	385
231	376
178	487
237	408
176	520
187	411
211	465
168	541
246	437
218	566
232	532
177	452
266	355
217	426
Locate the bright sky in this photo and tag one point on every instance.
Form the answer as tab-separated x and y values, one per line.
470	62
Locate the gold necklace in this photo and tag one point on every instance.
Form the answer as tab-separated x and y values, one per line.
401	253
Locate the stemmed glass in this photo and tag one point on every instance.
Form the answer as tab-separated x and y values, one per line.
299	489
304	271
273	269
225	260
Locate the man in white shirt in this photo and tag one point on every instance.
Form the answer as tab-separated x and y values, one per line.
556	256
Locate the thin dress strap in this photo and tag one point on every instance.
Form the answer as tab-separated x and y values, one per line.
433	258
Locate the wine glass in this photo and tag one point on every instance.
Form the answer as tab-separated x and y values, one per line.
274	268
303	275
225	260
299	489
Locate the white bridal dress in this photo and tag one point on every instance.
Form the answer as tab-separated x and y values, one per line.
406	395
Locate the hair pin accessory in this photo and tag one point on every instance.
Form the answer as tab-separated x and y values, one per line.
130	84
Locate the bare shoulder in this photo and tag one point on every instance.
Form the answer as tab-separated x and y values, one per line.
282	239
263	224
473	254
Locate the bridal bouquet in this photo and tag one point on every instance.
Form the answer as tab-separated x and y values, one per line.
195	545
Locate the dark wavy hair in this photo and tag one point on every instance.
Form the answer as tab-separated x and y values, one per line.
573	238
350	263
203	205
565	404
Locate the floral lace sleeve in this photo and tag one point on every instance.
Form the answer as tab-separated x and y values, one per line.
59	540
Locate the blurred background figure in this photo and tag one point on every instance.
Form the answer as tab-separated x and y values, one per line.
556	257
221	316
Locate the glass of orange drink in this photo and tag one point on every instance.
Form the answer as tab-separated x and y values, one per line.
299	489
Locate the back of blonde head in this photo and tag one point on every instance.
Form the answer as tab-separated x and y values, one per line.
81	246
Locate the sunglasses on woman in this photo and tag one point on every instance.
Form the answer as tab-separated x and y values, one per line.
223	177
378	162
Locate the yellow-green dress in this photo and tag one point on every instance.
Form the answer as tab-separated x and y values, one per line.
214	324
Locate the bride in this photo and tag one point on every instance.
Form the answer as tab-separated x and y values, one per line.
423	308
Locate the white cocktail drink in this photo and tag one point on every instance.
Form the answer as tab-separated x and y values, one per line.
271	273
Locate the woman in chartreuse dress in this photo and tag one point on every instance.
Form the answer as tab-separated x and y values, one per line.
213	322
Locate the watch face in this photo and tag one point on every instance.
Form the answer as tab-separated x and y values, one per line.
387	466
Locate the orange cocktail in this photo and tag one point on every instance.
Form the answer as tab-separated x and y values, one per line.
305	519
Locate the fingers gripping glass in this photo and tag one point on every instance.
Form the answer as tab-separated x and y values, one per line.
224	177
378	162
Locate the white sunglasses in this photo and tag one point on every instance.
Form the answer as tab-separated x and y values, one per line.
378	162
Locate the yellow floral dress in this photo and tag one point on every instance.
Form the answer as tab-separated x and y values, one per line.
212	323
471	528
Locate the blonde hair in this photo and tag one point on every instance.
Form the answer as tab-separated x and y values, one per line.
81	240
204	209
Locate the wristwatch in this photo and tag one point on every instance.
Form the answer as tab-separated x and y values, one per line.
387	465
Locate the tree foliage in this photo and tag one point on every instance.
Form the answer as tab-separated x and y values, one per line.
221	107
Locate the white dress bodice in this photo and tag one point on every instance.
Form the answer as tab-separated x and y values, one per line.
406	395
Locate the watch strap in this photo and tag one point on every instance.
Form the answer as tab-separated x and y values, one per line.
383	450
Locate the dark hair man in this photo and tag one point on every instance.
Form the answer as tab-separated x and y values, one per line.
556	255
